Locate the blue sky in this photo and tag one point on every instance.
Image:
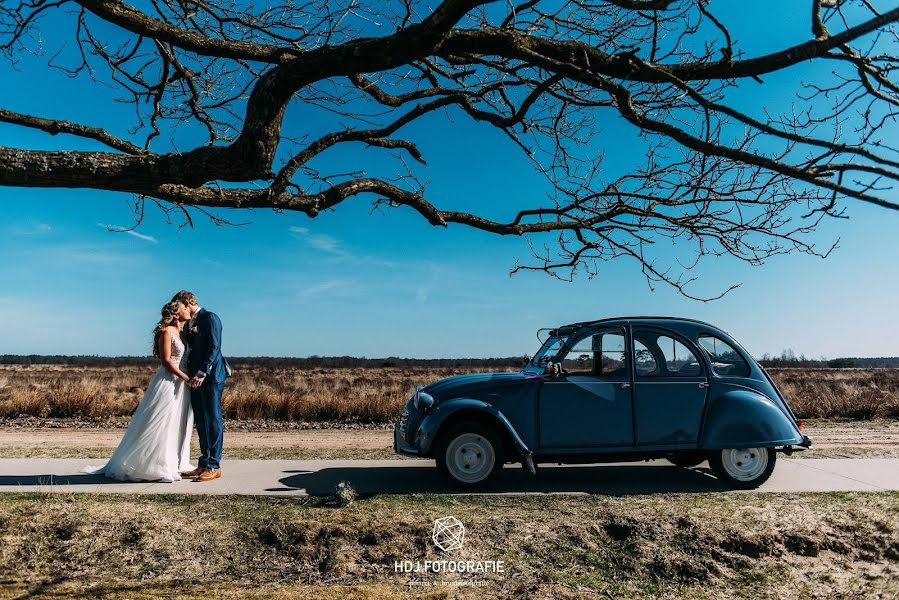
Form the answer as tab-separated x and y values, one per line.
351	283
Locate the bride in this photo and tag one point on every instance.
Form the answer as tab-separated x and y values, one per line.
156	446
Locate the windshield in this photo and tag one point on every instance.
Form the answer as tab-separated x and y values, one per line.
549	349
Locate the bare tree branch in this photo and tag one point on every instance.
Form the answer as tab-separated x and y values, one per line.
54	127
706	173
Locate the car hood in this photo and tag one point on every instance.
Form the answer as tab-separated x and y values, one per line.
461	385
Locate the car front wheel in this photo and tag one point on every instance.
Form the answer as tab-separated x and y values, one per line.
743	468
470	454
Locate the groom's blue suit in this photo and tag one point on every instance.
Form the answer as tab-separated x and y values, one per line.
204	335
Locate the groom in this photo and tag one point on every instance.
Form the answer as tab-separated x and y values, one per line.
208	370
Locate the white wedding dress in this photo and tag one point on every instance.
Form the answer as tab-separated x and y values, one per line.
156	446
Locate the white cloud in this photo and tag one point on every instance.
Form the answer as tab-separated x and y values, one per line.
84	254
31	229
335	286
333	246
319	241
423	290
96	257
131	232
141	236
325	243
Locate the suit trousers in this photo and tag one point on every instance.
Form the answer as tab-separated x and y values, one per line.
206	402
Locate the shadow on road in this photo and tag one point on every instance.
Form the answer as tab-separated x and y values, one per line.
604	479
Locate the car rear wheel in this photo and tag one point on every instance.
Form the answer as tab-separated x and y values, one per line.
743	468
469	454
686	459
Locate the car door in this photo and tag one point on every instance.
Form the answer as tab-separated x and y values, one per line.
590	406
670	386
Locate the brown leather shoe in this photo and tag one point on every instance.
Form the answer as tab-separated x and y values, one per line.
195	473
209	475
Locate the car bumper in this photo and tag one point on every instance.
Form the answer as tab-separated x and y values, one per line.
401	446
805	444
405	449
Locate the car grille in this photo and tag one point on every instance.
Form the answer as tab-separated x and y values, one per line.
404	422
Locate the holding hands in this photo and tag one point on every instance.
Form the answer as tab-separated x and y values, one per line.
196	381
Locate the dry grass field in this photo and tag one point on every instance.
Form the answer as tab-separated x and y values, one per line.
840	393
691	546
367	395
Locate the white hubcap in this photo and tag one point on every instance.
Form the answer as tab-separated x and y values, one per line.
470	458
745	464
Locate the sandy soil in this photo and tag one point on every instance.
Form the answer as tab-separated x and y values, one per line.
862	434
290	445
832	439
106	438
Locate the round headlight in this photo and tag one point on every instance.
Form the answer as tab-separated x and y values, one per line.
423	401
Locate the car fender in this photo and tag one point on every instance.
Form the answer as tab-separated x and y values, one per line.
742	418
431	425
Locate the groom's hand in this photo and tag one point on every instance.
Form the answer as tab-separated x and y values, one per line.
196	381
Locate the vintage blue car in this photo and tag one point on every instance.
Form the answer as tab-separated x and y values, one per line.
624	389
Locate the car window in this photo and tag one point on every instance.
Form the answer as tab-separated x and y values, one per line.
549	350
612	354
599	354
679	360
580	359
644	362
660	355
724	358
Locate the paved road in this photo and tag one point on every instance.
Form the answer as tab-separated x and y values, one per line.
318	477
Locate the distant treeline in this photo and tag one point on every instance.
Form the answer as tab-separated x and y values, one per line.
785	360
883	362
788	359
268	361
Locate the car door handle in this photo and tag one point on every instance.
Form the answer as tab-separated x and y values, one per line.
625	385
704	384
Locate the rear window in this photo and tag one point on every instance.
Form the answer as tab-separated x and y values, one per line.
724	358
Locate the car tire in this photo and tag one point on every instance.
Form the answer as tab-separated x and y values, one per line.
686	459
743	468
469	454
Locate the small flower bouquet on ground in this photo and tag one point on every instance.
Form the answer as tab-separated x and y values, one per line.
344	494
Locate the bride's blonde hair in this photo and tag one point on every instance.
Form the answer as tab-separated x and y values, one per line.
169	317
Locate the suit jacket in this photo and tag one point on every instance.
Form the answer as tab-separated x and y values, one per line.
205	341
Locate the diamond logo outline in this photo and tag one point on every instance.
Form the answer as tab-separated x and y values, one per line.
448	534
